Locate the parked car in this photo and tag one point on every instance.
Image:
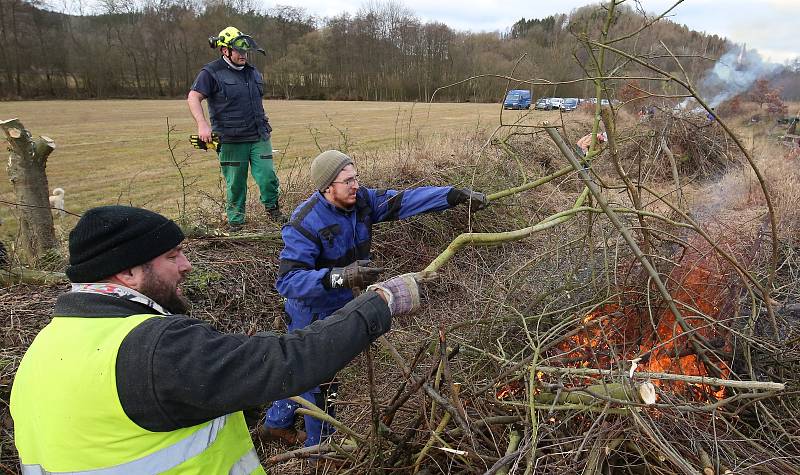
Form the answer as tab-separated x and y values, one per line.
556	102
569	104
517	99
543	104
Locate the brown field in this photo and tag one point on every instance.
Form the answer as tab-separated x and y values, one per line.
555	278
116	151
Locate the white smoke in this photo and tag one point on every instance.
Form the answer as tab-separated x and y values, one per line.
734	73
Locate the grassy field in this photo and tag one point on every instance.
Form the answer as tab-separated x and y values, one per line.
116	151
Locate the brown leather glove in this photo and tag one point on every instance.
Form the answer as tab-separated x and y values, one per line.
356	275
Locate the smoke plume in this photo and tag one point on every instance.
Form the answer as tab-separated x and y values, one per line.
734	73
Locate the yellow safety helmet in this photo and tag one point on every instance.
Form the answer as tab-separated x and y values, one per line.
232	37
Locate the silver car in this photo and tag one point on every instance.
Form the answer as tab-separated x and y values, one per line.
543	104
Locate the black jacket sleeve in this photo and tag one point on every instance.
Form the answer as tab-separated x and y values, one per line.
177	372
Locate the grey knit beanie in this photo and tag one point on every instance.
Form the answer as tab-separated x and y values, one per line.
326	166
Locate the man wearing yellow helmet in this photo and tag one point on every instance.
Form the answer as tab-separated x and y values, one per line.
234	90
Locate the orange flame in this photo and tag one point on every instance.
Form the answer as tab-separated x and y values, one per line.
618	333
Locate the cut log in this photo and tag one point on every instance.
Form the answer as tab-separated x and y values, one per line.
728	383
593	394
705	460
26	171
647	393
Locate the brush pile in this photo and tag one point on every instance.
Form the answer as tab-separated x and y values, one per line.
700	147
558	353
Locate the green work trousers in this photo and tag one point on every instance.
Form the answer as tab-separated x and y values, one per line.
234	159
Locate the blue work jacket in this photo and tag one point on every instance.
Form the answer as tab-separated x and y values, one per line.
320	236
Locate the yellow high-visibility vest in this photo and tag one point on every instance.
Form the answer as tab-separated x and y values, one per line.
68	417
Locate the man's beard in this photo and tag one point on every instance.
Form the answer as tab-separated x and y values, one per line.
163	294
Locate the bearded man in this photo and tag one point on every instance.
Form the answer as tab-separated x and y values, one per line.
120	381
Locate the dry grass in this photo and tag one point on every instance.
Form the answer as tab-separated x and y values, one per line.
116	151
497	304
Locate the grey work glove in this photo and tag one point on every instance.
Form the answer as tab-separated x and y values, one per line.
476	199
357	275
402	292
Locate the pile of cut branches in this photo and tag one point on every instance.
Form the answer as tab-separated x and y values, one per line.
540	355
557	354
699	148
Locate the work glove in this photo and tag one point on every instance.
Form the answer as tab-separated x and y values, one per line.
198	143
402	292
357	275
476	199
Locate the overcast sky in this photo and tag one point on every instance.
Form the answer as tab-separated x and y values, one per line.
767	25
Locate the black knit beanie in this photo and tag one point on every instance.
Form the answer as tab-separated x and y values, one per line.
110	239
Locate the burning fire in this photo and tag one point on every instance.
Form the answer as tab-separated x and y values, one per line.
511	390
651	337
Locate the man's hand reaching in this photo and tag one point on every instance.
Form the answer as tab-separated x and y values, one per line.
402	292
357	275
475	199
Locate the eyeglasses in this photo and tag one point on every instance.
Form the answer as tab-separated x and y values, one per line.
348	182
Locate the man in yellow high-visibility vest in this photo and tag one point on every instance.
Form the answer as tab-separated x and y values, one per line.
121	382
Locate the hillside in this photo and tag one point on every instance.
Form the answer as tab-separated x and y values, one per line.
382	52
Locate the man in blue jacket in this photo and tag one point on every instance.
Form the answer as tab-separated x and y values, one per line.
325	261
234	91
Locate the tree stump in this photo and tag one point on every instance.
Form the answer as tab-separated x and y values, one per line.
26	171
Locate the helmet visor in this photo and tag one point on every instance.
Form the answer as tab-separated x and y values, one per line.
245	43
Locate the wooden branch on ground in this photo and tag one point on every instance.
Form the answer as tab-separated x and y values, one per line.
501	466
311	409
305	452
205	234
595	394
21	275
433	393
728	383
673	166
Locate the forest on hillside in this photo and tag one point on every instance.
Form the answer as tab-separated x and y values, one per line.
154	48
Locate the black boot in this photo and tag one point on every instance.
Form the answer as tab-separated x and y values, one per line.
276	215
